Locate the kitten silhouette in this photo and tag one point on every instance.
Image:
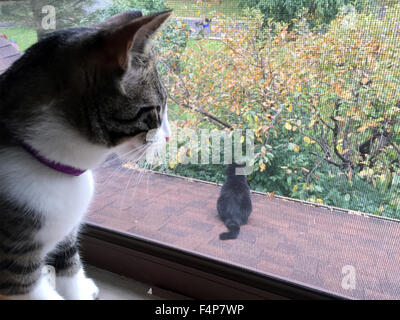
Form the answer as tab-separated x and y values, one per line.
234	203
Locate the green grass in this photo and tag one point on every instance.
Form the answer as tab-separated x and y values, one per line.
191	8
213	45
24	37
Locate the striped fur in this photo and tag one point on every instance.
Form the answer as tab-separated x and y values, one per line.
20	262
65	258
22	257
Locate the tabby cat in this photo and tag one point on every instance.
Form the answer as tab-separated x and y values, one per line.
70	101
234	203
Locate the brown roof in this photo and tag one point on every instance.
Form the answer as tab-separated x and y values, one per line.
287	239
8	54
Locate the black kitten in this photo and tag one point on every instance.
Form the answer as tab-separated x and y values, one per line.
234	203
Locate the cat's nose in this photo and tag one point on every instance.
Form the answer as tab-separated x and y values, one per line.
167	139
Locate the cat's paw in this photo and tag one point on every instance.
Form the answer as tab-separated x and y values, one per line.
77	287
42	291
89	291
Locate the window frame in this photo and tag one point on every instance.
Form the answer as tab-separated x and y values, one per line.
177	274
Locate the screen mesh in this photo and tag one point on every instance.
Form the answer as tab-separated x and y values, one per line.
309	90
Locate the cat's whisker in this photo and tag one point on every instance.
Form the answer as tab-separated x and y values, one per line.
111	161
153	167
140	175
115	170
119	172
139	153
123	162
128	170
147	183
126	156
108	177
147	167
119	157
123	196
129	180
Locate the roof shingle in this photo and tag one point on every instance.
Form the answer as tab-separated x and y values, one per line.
287	239
8	54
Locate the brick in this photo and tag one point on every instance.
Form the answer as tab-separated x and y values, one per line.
291	240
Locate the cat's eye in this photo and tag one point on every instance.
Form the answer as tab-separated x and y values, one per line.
158	109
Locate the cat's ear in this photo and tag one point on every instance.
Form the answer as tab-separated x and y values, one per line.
118	42
147	32
121	19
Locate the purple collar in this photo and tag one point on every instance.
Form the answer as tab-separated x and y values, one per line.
51	164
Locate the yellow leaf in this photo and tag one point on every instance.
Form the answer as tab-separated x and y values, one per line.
262	166
295	188
241	139
198	13
346	94
294	128
296	147
320	201
290	108
288	126
172	165
338	90
362	129
307	140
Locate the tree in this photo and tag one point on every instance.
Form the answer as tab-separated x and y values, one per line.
118	6
28	13
317	12
324	109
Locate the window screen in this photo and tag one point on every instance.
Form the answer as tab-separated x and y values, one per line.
306	92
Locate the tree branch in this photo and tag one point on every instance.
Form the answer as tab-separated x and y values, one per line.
201	111
328	160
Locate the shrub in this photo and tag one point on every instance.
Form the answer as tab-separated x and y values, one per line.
317	12
324	107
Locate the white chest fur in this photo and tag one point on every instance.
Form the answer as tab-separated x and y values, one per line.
62	200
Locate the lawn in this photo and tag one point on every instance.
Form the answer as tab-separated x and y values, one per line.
193	8
24	37
213	45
